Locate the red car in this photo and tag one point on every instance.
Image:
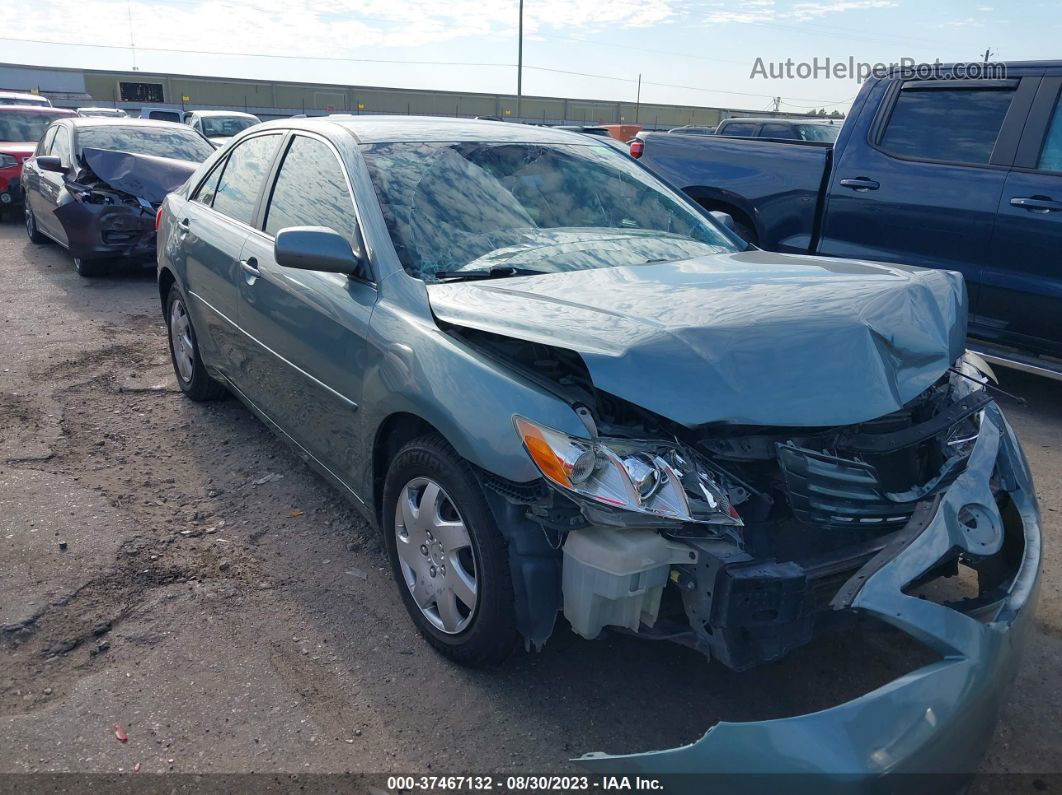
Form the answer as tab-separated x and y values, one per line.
21	126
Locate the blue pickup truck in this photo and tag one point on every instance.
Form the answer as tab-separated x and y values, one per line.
956	173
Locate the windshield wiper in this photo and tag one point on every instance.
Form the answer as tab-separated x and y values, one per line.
497	272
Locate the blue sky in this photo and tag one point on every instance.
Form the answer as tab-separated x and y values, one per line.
687	52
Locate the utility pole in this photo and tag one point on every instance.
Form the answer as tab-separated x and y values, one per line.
638	99
987	54
777	104
520	62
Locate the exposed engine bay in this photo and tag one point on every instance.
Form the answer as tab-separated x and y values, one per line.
733	540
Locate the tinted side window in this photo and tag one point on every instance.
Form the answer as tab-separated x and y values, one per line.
243	177
205	194
1051	154
310	190
739	129
778	131
958	125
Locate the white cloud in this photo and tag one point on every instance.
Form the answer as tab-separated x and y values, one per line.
967	22
319	26
750	11
803	11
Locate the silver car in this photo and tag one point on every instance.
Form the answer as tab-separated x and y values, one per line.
560	388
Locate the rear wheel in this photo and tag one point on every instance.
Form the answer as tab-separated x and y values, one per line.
34	234
192	376
449	560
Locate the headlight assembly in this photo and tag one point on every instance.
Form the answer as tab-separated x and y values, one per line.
655	478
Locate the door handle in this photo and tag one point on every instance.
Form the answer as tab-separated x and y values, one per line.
250	265
861	184
1036	204
183	226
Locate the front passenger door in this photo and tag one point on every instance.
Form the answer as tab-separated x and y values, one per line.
307	329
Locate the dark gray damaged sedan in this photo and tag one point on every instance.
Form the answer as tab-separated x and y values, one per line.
557	386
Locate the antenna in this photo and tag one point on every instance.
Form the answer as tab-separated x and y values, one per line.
132	44
988	53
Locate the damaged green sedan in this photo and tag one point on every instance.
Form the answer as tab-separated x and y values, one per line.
558	387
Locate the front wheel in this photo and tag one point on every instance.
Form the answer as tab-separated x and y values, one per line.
192	376
450	561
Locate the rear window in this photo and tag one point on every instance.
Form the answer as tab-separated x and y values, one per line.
225	126
738	129
179	143
26	126
953	125
778	131
164	115
818	132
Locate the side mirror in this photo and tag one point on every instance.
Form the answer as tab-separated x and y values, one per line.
316	248
726	219
51	163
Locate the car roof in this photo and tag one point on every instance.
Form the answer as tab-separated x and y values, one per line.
22	94
110	121
36	109
380	129
239	113
781	121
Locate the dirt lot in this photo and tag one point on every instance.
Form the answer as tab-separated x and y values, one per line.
156	575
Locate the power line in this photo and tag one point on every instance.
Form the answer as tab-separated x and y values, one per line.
256	55
338	59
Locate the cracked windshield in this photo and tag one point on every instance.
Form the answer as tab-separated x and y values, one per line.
459	209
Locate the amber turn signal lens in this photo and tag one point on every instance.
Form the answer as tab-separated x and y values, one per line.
551	464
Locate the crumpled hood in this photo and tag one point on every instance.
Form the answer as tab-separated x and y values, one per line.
143	176
750	338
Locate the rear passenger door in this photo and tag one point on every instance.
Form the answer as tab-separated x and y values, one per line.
921	183
213	226
1021	289
307	329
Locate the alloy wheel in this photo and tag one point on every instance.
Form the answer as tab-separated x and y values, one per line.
181	340
435	555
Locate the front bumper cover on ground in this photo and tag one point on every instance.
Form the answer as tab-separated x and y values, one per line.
935	720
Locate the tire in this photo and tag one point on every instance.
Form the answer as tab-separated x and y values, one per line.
192	376
477	635
32	232
90	268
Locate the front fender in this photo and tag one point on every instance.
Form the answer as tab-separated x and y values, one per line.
469	399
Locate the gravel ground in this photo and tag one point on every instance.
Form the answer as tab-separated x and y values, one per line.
231	626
